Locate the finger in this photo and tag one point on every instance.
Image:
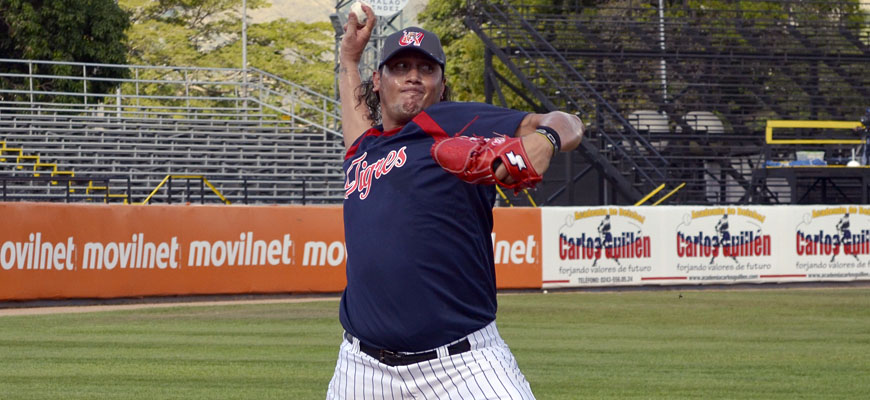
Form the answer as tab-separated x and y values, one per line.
370	17
352	22
501	174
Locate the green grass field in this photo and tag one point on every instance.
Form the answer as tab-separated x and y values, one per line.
741	344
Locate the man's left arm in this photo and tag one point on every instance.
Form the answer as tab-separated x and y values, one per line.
519	161
533	132
534	129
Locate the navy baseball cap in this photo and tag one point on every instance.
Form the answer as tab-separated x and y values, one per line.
413	38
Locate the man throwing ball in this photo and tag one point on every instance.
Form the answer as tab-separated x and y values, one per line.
420	304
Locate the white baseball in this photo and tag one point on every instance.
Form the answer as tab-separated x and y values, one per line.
357	10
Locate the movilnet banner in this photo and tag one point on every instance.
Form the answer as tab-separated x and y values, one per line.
69	251
613	246
516	239
104	251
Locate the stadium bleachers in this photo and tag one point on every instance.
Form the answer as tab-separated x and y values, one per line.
674	93
742	62
275	147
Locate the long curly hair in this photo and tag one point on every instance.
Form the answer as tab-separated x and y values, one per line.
366	94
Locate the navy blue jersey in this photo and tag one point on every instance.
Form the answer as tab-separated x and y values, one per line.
420	271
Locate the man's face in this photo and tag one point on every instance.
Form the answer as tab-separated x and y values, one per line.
408	83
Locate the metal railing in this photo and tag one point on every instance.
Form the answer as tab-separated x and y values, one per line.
166	90
170	107
510	36
56	188
298	102
203	182
107	188
713	72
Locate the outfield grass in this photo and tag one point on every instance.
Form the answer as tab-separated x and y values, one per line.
744	344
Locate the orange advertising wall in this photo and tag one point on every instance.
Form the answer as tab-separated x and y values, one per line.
103	251
517	247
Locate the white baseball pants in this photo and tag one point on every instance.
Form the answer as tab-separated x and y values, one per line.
487	371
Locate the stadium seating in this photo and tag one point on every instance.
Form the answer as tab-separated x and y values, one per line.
705	123
253	152
652	125
716	70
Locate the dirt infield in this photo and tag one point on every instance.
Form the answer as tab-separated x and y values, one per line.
41	308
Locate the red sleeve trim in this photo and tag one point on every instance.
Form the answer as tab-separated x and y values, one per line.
351	151
429	125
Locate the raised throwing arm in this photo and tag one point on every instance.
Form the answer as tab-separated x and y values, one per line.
354	121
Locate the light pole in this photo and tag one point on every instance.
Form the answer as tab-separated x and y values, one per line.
245	51
245	36
664	64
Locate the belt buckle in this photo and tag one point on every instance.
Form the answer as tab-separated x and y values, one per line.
385	354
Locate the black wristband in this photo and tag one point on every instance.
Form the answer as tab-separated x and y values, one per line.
552	136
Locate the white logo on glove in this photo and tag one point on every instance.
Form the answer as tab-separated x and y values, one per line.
516	161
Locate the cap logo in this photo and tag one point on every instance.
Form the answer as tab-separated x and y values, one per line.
409	38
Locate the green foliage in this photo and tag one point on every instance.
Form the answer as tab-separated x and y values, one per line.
63	30
298	52
207	33
764	26
179	32
465	53
89	31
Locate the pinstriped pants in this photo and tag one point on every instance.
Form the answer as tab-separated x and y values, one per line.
487	371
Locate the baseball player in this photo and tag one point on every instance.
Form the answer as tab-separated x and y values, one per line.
605	238
843	236
724	236
419	307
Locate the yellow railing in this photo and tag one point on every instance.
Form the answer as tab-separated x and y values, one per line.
505	198
39	167
641	201
659	189
197	177
768	132
665	197
651	194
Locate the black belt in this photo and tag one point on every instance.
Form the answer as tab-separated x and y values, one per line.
393	358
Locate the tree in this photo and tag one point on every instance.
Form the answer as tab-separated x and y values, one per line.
88	31
741	69
464	52
207	33
462	47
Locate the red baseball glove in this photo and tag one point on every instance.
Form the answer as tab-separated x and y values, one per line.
474	160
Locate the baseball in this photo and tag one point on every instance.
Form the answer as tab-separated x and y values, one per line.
357	10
